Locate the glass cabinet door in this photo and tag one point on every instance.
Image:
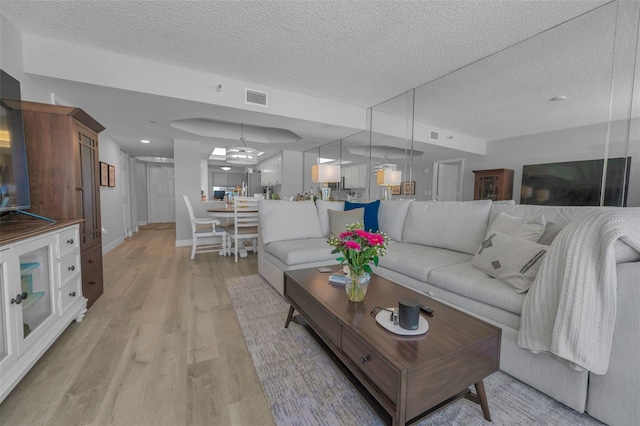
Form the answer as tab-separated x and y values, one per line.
34	298
5	333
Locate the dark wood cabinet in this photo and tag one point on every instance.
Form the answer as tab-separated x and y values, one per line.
64	178
494	184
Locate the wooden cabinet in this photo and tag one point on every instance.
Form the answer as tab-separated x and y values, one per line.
40	294
494	184
62	156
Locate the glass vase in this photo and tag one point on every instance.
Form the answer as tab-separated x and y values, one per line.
356	287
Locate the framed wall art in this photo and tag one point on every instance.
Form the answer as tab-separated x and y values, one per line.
409	187
104	174
395	190
112	175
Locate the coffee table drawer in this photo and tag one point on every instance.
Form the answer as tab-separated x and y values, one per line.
372	364
318	316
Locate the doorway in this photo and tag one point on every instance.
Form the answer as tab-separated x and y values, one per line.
125	193
447	179
162	202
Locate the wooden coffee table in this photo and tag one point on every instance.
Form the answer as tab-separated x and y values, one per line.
409	377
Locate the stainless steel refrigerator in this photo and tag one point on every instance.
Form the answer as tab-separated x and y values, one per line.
252	180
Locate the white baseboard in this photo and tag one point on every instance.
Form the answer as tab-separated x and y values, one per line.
187	243
143	223
183	243
107	248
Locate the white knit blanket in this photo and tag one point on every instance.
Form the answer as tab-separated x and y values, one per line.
570	308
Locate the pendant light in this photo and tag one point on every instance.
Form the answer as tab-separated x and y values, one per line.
240	153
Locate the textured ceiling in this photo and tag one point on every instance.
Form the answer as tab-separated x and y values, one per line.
356	52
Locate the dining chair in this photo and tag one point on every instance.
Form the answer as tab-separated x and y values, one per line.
205	228
245	225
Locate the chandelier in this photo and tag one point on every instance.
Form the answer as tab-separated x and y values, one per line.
240	153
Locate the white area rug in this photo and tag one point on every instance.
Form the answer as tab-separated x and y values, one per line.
304	387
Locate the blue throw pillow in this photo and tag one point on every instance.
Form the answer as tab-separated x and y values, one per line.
370	213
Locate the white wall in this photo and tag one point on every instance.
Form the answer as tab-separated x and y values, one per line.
186	157
113	233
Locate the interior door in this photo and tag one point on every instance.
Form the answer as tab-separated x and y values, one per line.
125	191
448	180
162	203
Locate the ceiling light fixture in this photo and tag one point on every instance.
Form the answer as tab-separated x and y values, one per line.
240	153
558	99
144	141
225	168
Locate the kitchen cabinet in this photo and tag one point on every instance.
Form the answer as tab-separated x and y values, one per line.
64	178
271	170
40	295
493	184
355	176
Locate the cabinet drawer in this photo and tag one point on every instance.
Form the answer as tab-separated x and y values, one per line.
313	312
68	268
374	367
68	241
70	294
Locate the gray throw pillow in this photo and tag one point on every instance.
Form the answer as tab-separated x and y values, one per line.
338	219
528	227
511	260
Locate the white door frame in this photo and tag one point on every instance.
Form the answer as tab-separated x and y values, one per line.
149	166
436	164
125	193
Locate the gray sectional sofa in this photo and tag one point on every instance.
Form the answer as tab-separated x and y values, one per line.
432	246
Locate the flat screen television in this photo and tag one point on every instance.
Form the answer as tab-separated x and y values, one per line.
576	183
14	179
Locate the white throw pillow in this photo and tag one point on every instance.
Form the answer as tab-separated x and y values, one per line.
528	227
391	216
323	207
340	219
453	225
288	220
511	260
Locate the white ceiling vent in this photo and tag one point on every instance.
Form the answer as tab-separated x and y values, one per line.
254	97
434	135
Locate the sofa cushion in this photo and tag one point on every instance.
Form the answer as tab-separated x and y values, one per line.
288	220
512	260
370	213
305	250
340	219
416	261
551	230
464	279
530	227
323	208
391	217
453	225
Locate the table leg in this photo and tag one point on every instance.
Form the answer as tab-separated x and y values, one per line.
289	316
483	400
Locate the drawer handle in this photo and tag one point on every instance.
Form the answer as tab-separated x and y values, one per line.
93	282
72	294
70	241
71	268
92	261
365	359
19	298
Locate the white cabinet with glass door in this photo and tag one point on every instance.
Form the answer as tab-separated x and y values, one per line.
41	294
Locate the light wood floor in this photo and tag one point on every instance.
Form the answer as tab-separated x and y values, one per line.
162	346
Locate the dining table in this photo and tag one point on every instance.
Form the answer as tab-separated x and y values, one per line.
227	214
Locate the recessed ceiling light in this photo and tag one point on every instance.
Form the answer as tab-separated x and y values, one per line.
144	141
225	168
558	99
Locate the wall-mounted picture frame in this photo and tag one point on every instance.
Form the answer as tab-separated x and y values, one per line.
104	174
395	190
112	175
409	187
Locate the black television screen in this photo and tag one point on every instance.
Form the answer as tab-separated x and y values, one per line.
14	180
576	183
218	195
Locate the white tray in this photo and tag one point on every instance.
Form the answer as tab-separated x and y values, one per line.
383	318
